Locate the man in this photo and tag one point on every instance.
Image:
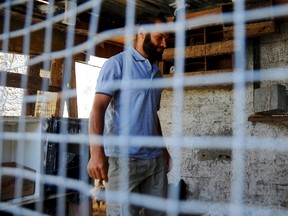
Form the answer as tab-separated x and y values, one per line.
148	166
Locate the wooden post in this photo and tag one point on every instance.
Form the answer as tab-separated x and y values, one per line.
56	80
72	108
33	70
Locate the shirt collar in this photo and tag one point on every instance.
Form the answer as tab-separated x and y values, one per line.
138	57
135	54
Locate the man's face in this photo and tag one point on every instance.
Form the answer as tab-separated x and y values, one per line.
154	45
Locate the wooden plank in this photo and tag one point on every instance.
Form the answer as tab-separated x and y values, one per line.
106	50
193	15
33	83
217	10
216	48
252	29
117	40
56	80
190	52
268	118
56	72
168	54
33	71
73	108
59	110
195	51
250	5
228	8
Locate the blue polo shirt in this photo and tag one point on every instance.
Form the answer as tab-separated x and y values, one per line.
139	117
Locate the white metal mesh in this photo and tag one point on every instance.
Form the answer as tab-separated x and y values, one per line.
25	139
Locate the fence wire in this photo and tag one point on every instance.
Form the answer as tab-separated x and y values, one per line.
44	154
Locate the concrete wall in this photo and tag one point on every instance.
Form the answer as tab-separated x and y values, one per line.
210	113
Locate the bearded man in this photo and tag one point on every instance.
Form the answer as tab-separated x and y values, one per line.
130	112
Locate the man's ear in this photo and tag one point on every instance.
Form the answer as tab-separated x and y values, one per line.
141	33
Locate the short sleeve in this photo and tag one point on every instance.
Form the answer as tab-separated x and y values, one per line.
110	73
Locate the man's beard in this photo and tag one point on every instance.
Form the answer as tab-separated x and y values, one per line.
151	50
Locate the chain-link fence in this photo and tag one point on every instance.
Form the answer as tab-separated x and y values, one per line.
223	109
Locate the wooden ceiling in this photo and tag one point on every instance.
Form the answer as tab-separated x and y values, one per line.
111	13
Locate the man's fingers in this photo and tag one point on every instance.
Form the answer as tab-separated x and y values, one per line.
94	173
98	174
104	175
98	171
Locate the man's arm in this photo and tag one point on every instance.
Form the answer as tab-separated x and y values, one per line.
98	164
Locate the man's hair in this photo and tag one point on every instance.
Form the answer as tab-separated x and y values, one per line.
150	19
145	19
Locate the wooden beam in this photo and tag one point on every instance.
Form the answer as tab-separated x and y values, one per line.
217	10
268	118
193	15
190	51
33	71
219	48
73	107
252	29
56	80
33	83
117	40
216	48
106	50
56	72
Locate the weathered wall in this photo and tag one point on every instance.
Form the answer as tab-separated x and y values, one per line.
210	113
11	99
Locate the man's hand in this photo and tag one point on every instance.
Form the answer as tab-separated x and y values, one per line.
167	160
98	165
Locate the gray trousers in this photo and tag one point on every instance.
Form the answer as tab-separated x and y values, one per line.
144	176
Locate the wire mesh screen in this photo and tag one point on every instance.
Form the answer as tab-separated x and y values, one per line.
223	108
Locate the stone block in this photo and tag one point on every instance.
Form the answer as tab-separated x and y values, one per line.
270	100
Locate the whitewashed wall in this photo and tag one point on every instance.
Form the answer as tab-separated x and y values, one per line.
210	113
